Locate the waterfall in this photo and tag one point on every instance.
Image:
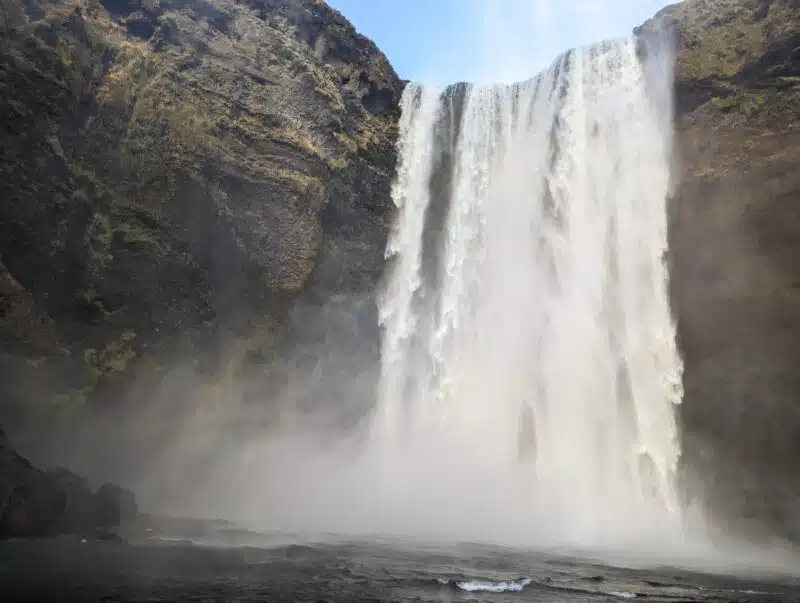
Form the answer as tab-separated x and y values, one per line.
529	365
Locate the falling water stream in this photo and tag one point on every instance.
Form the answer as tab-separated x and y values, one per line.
529	357
529	373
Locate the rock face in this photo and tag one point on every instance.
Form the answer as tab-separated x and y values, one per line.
735	251
39	503
173	175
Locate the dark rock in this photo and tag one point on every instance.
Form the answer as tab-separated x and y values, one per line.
105	535
178	172
45	503
141	25
30	504
79	509
114	505
33	508
735	241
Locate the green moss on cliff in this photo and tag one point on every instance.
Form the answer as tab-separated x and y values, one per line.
721	37
743	101
722	51
113	357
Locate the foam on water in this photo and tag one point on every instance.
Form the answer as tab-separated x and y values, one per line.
488	586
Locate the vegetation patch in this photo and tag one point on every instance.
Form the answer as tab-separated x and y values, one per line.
115	356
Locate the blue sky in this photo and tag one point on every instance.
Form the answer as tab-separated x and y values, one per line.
443	41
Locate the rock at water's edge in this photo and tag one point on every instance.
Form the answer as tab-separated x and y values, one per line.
45	503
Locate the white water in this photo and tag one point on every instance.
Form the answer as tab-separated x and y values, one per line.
530	376
530	373
488	586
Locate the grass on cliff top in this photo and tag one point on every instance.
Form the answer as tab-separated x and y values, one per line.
722	36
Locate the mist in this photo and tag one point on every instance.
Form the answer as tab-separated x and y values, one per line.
401	414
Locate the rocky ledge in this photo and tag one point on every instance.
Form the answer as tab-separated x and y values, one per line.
45	503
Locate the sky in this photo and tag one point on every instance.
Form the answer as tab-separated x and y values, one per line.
445	41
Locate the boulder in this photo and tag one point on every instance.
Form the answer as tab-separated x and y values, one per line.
44	503
114	505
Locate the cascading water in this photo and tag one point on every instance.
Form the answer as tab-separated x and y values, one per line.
529	357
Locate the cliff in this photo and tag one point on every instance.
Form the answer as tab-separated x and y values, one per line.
174	176
735	244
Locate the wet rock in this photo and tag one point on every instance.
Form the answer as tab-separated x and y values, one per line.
114	505
44	503
30	504
105	535
734	243
79	509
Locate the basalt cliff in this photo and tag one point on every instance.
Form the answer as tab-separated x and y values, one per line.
735	253
175	176
184	180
